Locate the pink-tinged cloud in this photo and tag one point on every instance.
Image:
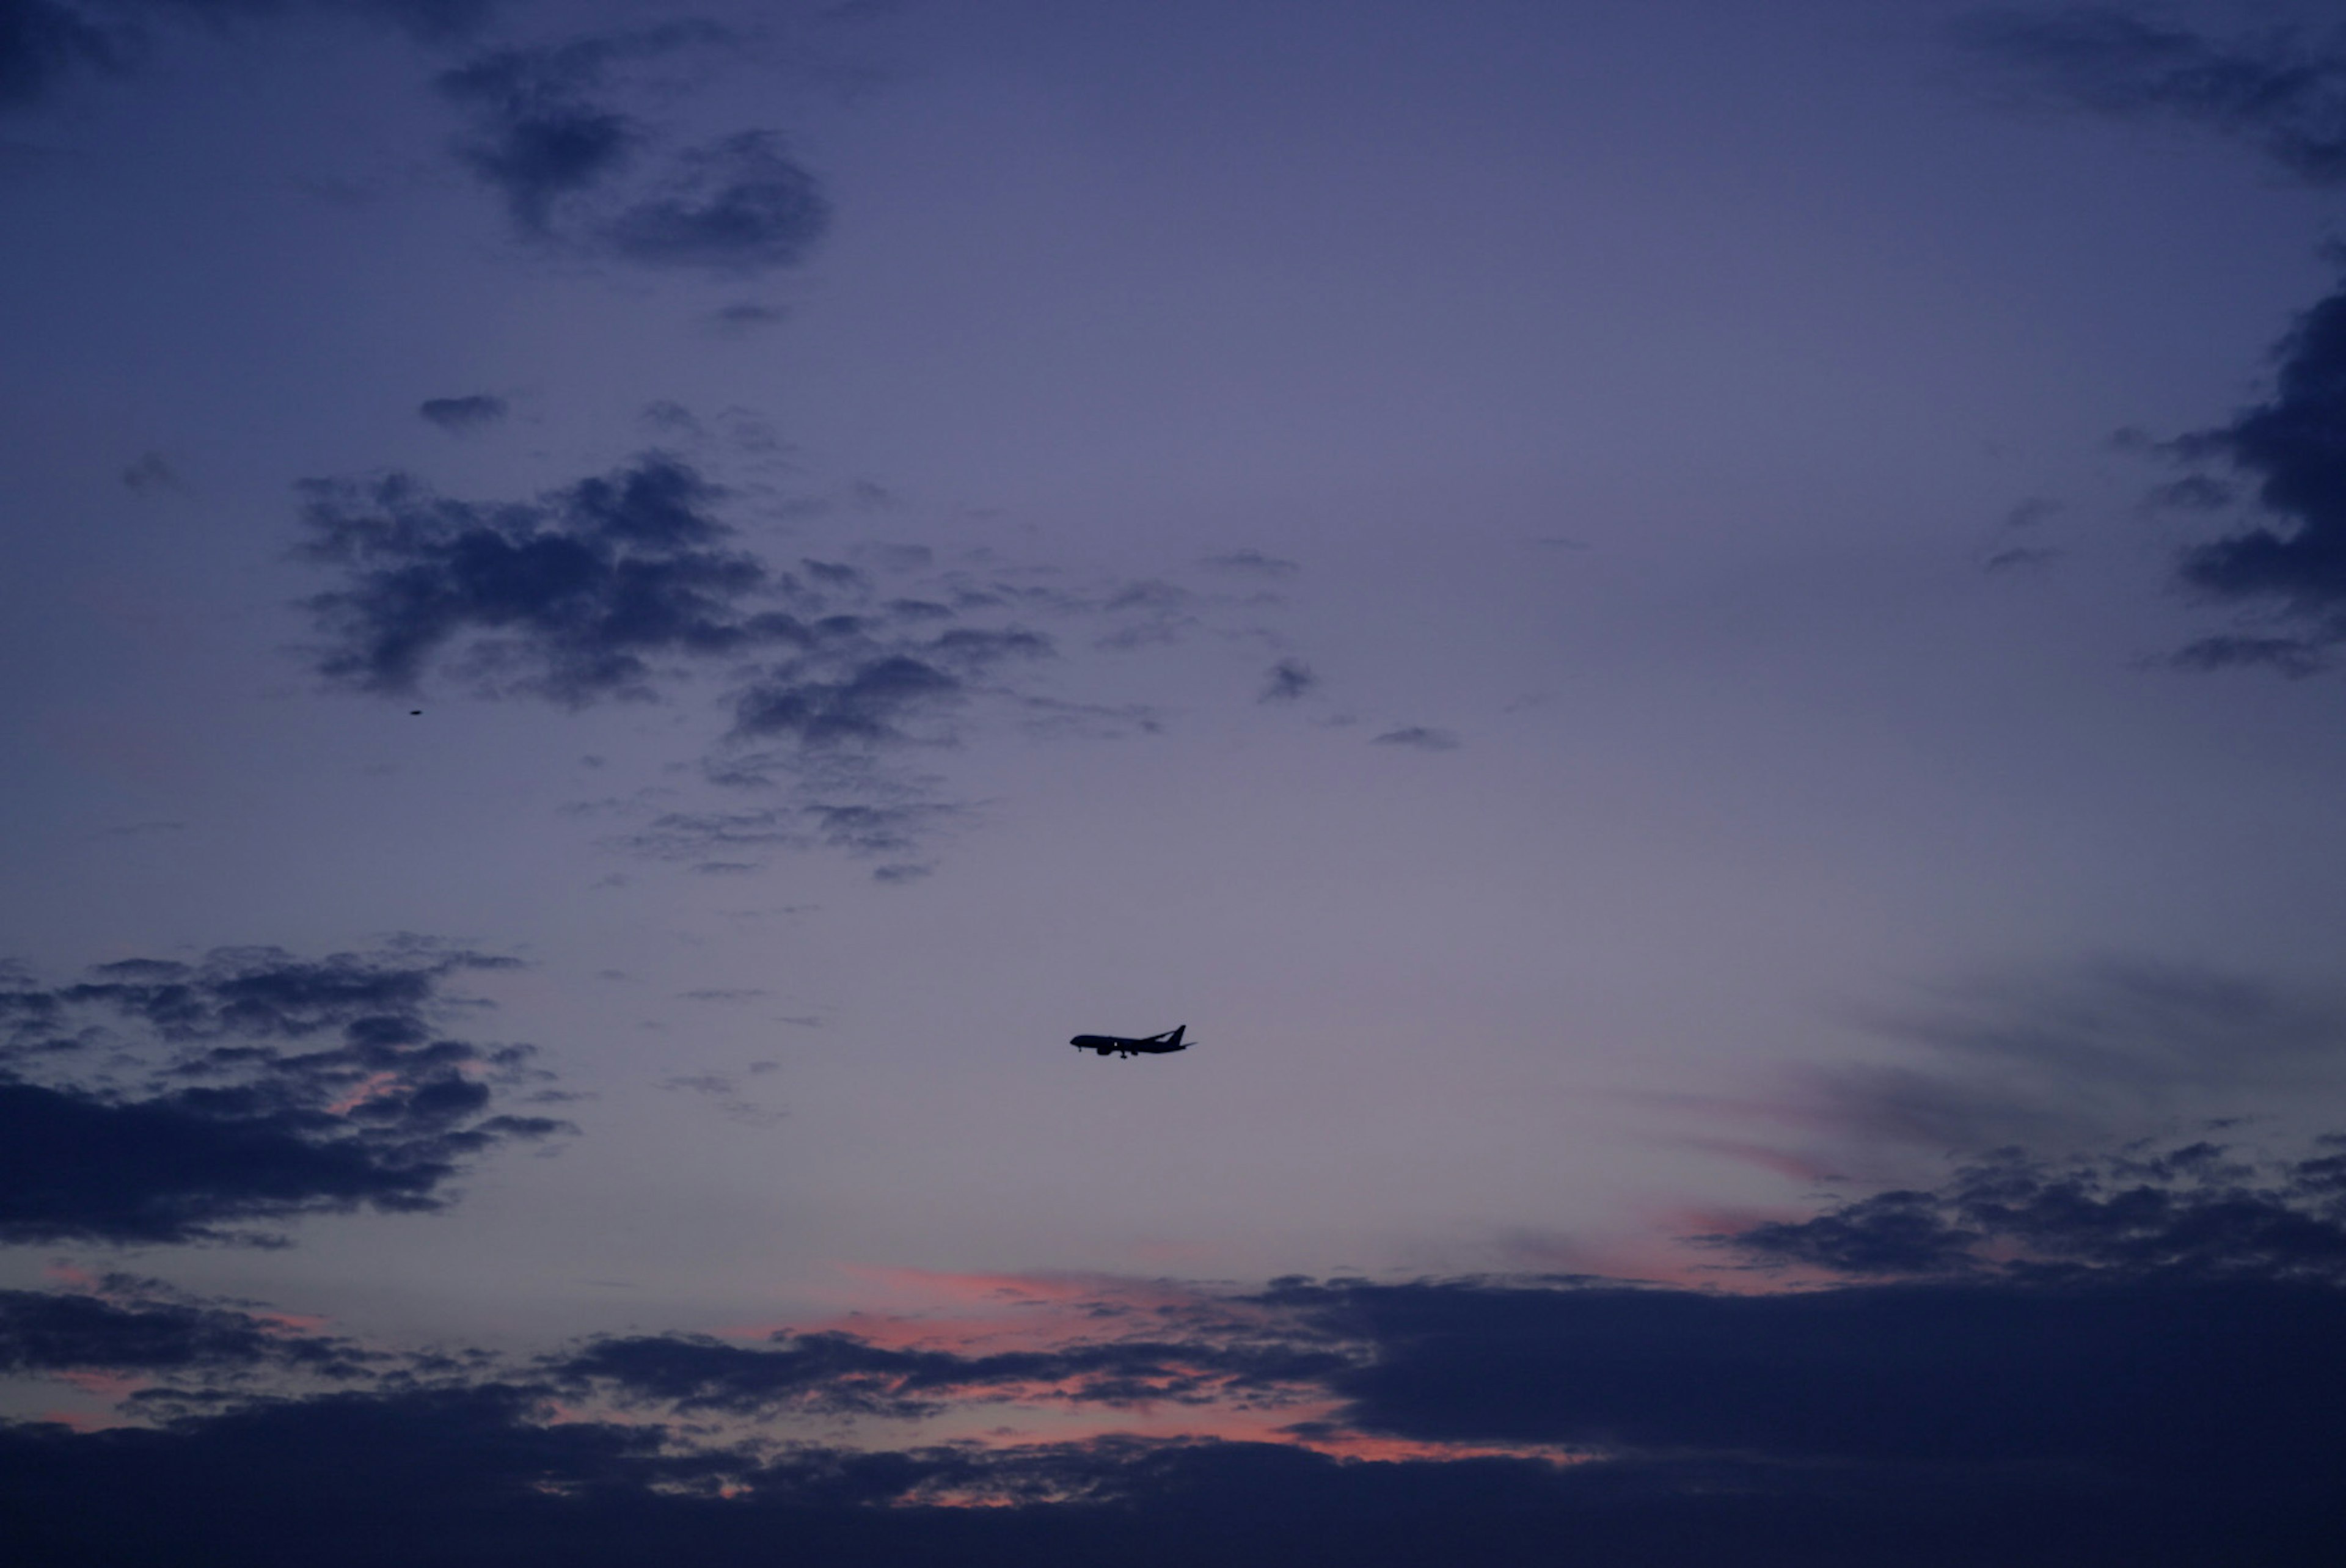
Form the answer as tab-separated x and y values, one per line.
79	1420
1802	1167
373	1087
111	1387
1315	1425
974	1313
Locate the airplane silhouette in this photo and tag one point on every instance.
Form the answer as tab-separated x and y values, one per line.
1151	1046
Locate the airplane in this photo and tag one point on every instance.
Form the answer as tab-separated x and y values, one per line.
1153	1045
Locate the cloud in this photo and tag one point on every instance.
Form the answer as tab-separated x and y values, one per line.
2292	568
738	205
2198	1211
870	702
547	137
2123	1411
538	136
830	679
1289	679
2020	558
2284	95
1419	737
459	414
203	1121
746	316
2280	93
152	473
2060	1057
565	596
128	1325
1252	563
844	1374
45	42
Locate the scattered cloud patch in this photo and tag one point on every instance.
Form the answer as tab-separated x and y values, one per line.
1289	679
125	1324
459	415
746	316
41	41
2197	1211
729	1100
2280	92
830	677
1252	563
567	597
572	167
1419	737
2292	567
222	1106
739	205
151	473
46	42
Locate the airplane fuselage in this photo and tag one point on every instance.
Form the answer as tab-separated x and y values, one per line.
1127	1045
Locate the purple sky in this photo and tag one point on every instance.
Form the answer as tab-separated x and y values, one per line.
1653	621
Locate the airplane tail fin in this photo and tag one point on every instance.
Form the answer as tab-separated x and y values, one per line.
1177	1036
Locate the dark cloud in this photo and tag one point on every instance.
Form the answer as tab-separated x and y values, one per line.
130	1324
546	137
566	596
2284	93
44	42
1419	737
457	414
2295	657
152	473
2280	92
869	704
200	1121
2134	1361
833	676
540	135
1289	679
746	316
738	205
2292	568
2137	1384
480	1476
842	1374
2196	1211
2120	1420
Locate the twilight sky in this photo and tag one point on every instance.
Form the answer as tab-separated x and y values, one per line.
1694	639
